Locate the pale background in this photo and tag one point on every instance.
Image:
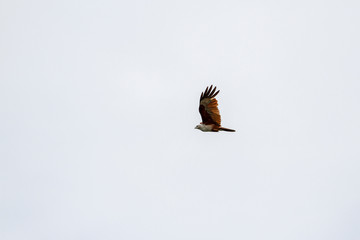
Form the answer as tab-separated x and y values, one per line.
99	100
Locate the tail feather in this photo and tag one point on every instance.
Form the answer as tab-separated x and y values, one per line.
226	129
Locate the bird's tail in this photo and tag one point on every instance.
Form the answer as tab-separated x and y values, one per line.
226	129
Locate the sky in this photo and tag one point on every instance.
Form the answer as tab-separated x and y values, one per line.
99	100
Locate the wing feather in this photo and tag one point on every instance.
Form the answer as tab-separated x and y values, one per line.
212	92
209	107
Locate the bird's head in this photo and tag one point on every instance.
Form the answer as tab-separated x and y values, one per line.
200	127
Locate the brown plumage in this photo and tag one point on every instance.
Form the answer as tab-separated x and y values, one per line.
210	115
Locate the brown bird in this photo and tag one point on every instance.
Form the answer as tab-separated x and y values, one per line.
210	115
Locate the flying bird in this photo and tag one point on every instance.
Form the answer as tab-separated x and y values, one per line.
210	115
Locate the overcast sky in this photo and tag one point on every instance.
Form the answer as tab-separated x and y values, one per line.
99	100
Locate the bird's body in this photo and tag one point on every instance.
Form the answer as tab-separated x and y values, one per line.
210	115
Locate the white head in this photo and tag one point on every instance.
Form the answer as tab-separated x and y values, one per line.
198	126
203	127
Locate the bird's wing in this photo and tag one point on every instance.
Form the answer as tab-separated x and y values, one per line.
209	107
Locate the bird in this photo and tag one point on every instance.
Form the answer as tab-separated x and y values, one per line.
210	115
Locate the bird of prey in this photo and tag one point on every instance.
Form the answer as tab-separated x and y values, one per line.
210	115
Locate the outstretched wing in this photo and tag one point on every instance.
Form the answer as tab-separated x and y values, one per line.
209	107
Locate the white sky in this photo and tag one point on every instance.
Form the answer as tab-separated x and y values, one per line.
99	100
